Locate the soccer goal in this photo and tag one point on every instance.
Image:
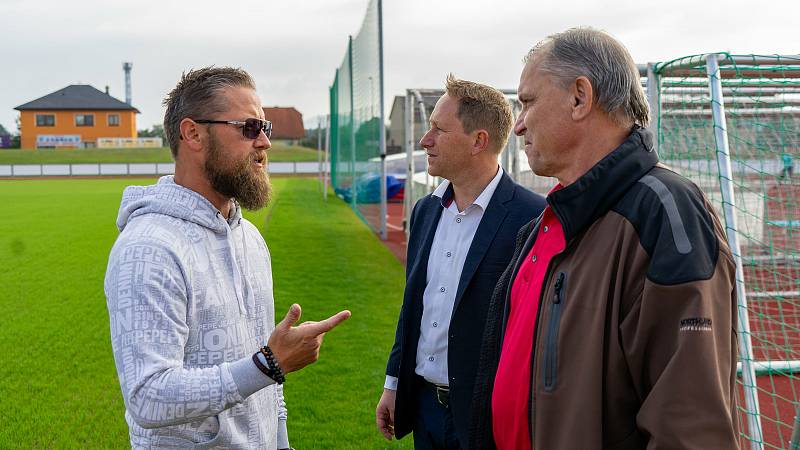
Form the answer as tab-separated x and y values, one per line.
731	123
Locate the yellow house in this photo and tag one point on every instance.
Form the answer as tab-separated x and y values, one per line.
75	116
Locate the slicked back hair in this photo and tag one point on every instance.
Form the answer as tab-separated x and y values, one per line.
607	64
198	95
482	107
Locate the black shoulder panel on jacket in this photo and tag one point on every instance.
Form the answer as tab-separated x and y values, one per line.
674	227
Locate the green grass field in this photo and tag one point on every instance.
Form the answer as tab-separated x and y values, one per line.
58	385
279	152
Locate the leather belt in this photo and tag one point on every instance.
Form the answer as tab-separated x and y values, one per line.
441	393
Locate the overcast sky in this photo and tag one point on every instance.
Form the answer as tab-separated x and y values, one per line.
292	48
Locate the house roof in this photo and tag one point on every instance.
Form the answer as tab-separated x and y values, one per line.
287	123
76	97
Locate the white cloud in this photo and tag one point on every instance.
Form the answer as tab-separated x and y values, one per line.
293	48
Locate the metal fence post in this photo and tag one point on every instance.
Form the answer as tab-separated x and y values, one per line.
794	442
384	208
327	167
353	187
408	138
731	227
654	99
319	152
423	118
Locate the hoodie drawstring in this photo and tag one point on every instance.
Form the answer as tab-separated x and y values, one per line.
238	285
249	287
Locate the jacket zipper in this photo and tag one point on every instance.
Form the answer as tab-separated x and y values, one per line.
551	342
532	396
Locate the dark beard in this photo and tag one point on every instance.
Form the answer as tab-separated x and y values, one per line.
237	179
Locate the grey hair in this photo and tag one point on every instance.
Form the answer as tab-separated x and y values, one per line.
607	64
197	96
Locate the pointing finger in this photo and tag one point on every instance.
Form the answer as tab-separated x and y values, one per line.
327	324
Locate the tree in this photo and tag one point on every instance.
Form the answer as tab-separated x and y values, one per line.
3	131
156	131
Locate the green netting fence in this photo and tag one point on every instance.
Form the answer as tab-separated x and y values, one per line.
731	123
357	139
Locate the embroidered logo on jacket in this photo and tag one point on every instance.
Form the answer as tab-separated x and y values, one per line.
696	324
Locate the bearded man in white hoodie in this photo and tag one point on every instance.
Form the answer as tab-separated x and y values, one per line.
189	282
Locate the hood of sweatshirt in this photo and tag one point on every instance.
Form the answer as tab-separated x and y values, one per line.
171	199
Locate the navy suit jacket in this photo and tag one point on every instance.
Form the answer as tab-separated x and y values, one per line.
511	207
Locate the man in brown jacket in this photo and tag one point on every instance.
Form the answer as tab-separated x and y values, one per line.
614	325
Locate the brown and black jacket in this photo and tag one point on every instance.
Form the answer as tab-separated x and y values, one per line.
635	341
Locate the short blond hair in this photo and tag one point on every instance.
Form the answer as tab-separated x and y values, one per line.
482	107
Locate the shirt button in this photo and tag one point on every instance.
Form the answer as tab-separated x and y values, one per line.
458	219
430	358
534	258
449	254
435	324
545	228
442	289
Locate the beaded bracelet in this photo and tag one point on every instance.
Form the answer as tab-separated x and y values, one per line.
260	365
272	365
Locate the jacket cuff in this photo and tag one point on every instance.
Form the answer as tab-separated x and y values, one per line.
248	378
390	383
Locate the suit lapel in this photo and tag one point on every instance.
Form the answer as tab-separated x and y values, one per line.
491	221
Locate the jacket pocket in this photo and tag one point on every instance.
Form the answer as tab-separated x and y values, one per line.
551	340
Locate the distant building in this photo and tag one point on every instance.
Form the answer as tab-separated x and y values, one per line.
397	125
287	123
76	116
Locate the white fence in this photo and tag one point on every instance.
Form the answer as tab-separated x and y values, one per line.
116	169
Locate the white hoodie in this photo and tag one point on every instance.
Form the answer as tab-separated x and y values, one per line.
190	300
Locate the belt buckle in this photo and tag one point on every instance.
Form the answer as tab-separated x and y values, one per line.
439	392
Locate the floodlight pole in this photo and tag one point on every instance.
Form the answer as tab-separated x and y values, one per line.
731	227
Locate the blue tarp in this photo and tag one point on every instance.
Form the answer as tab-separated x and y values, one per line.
368	188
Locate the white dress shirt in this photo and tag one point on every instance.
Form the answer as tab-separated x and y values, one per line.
451	243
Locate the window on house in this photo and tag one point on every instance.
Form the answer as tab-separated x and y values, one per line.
45	120
113	120
84	120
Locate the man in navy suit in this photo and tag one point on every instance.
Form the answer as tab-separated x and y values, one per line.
462	238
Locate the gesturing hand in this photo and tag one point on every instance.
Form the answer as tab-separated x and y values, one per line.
297	347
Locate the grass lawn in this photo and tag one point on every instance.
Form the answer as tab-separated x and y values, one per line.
58	384
279	152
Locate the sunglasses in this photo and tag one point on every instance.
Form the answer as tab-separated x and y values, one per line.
251	128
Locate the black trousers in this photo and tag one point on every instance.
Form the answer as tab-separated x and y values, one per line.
433	425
